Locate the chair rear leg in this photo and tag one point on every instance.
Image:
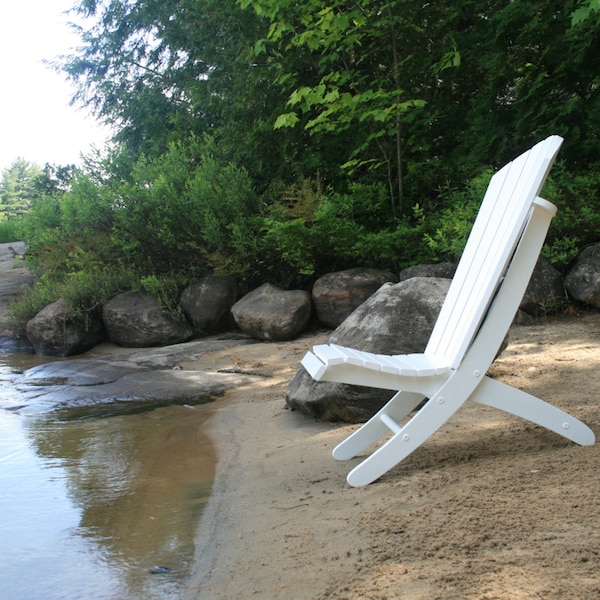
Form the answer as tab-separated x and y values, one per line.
517	402
397	408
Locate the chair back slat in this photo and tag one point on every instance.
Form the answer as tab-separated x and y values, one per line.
491	244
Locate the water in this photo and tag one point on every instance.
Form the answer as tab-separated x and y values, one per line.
88	508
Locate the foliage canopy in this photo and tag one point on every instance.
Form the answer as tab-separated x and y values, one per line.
277	140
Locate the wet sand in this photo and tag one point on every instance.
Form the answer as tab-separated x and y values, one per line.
490	507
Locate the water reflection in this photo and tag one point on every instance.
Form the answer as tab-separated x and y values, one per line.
88	507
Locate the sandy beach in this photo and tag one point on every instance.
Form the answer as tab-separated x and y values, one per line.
491	507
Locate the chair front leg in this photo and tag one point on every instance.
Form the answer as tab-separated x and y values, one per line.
400	405
406	439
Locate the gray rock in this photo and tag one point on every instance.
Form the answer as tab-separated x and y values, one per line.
336	295
272	314
125	382
15	280
139	392
207	303
397	319
445	270
54	332
545	292
583	280
135	320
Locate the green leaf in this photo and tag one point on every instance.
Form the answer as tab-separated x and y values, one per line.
299	95
580	15
260	47
286	120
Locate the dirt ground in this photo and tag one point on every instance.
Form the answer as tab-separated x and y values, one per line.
491	507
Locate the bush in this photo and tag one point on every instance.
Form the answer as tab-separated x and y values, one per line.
165	290
179	216
575	225
449	226
84	292
187	210
152	225
10	231
312	231
577	222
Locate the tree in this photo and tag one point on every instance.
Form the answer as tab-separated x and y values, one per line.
374	61
158	70
279	139
585	10
439	90
18	188
55	179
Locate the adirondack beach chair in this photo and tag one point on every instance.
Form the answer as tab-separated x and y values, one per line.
483	298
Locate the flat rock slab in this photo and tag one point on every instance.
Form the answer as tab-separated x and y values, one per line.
123	383
130	394
104	383
98	370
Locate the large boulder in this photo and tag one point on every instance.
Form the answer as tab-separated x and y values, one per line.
396	319
271	314
207	303
54	331
445	270
15	280
583	280
135	320
336	295
545	292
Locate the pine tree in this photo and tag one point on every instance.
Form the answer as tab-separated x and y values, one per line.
17	188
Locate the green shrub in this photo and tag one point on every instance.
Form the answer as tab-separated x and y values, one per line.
449	226
577	222
187	210
575	225
84	292
165	290
153	224
175	217
10	231
312	231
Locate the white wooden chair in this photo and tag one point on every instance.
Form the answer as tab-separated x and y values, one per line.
483	298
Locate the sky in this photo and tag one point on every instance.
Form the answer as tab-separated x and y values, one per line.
36	121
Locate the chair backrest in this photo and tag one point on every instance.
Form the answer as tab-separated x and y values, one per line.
491	244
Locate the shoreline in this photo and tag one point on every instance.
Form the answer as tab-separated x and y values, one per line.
490	507
274	469
482	510
273	465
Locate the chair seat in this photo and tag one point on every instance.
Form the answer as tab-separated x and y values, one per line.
409	365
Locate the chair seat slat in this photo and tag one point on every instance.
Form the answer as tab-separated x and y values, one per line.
329	354
414	365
